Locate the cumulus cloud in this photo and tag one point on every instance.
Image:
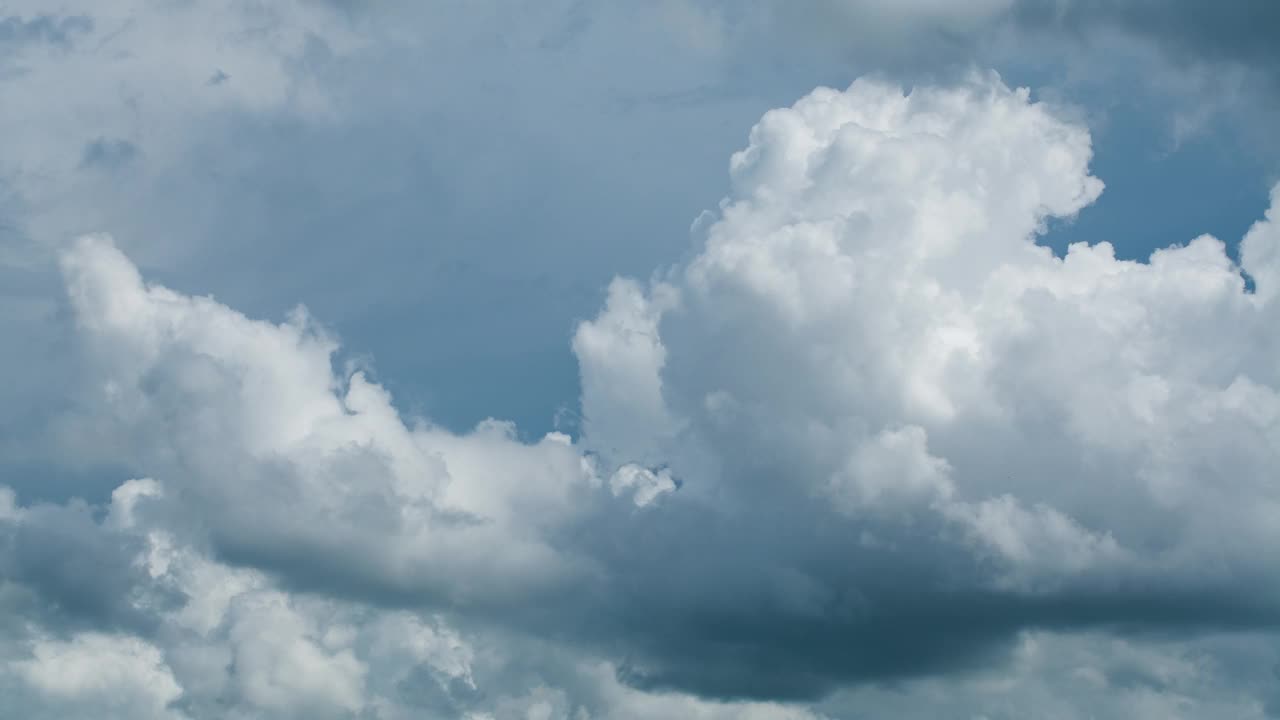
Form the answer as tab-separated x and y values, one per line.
870	327
254	410
121	676
869	435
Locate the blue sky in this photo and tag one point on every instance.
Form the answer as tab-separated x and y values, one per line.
674	359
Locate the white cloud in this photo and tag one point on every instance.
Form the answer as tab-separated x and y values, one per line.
893	465
873	284
644	484
1260	251
286	459
97	675
620	359
289	667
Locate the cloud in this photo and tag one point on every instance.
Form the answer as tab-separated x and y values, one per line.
1011	439
236	645
1092	675
252	409
1188	31
868	436
110	154
16	31
865	447
120	675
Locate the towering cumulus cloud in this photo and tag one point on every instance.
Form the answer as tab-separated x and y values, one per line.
871	451
913	431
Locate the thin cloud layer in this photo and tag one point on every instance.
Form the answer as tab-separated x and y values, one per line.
869	447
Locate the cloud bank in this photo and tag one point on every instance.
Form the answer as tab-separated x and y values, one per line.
869	447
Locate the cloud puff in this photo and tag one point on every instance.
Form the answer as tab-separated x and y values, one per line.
120	675
868	432
249	409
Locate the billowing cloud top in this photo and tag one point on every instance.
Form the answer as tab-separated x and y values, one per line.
869	436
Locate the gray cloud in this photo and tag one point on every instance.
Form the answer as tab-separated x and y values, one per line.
108	153
1237	31
58	31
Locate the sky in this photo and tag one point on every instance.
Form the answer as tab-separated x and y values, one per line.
503	360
